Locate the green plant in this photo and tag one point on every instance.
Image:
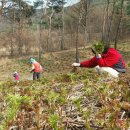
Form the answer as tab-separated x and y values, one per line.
52	97
98	47
13	105
53	121
88	91
77	103
87	115
128	64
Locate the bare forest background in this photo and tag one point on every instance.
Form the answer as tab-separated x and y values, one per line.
35	30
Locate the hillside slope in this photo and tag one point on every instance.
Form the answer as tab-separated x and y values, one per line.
62	99
65	102
54	63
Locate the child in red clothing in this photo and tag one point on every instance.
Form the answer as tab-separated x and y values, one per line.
16	76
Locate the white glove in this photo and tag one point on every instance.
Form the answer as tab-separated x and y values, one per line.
76	64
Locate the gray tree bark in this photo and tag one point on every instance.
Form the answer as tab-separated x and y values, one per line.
119	23
63	24
77	32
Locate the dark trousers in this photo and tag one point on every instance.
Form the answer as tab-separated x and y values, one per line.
36	75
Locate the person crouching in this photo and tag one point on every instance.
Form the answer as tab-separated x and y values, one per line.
105	59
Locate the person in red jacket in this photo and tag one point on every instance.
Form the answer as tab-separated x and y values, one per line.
110	60
36	69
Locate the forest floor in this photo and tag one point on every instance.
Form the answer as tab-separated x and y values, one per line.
53	63
64	99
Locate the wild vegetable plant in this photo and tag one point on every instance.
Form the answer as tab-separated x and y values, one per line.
13	106
98	47
52	97
86	116
77	103
53	121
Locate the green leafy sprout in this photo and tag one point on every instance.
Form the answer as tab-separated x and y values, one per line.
98	47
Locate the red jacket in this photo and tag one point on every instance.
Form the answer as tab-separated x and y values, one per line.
37	67
111	59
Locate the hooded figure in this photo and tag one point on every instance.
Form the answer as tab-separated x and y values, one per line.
105	60
32	60
36	68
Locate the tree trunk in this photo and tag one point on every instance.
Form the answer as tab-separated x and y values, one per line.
63	24
20	30
85	8
49	39
40	34
110	22
105	20
77	43
119	23
77	32
13	29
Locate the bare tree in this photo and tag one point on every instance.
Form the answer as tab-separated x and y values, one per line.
49	39
119	23
77	31
13	30
110	22
20	44
43	11
85	7
105	21
63	24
